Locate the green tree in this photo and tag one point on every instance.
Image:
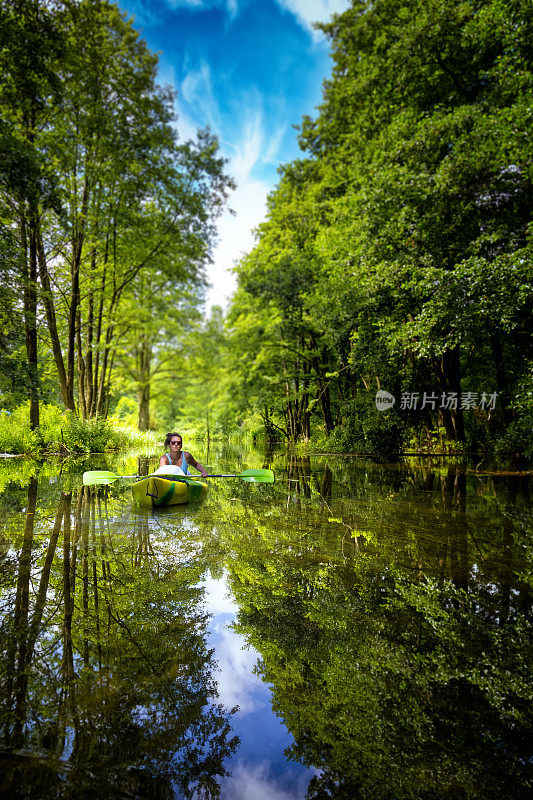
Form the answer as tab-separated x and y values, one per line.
31	44
275	282
412	209
134	201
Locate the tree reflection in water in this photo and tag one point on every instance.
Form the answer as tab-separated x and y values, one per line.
389	606
106	679
398	654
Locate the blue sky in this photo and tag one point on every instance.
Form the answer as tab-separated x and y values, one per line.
249	69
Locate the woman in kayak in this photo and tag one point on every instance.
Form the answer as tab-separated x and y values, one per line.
178	457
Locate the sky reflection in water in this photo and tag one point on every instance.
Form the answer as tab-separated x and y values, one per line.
388	608
259	770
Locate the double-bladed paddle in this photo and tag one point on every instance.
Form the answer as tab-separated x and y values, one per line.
103	477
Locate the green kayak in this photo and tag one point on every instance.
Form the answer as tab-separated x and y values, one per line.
167	487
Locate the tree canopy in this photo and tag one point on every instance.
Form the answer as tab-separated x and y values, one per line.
102	201
396	253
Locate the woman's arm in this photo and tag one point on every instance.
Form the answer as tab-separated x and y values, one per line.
196	464
163	461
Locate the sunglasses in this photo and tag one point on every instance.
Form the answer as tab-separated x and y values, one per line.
176	441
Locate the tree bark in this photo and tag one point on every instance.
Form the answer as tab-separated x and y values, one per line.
29	273
450	375
48	300
145	356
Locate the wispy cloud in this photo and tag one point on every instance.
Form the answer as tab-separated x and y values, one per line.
255	781
254	149
196	90
230	6
251	148
309	11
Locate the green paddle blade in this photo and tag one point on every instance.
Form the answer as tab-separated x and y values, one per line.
99	477
257	476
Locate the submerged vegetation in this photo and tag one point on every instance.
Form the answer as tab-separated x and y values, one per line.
386	305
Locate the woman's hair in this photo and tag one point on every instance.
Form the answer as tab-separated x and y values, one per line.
170	436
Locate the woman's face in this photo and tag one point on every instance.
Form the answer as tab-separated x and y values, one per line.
175	444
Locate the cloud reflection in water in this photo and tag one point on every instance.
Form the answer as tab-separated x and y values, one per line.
260	770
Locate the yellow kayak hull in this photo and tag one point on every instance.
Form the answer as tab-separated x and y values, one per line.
156	491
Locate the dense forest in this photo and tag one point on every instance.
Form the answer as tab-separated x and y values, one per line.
396	255
107	218
386	305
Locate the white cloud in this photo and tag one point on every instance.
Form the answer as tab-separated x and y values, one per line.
230	5
255	782
249	148
236	683
218	599
236	237
309	11
197	92
255	149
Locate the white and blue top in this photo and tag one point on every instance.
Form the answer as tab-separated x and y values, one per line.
184	466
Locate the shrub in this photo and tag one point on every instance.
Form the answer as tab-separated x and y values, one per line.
61	431
15	433
87	436
369	431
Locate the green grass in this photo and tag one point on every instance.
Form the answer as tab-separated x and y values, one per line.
62	432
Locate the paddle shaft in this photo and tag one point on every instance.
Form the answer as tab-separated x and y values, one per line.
233	475
250	475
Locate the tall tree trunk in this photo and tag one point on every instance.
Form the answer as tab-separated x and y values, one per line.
88	373
29	272
104	373
48	300
143	393
82	375
450	379
99	322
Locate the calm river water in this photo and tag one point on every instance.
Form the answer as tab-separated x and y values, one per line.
351	631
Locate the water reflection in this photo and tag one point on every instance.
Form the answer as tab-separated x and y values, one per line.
389	620
106	676
259	769
381	612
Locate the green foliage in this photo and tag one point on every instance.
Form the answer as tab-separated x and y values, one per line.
397	252
89	436
368	431
15	433
126	410
63	432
